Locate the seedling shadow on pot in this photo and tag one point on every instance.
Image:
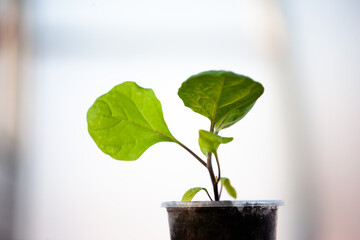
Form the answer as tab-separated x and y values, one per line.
128	120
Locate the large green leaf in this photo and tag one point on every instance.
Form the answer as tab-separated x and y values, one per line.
229	188
220	96
126	121
209	142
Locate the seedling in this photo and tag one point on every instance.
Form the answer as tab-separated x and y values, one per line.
128	119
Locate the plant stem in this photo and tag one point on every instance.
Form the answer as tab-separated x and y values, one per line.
211	171
212	126
212	177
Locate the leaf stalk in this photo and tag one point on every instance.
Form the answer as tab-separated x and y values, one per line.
218	165
192	153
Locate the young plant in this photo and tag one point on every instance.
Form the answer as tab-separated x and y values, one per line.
128	119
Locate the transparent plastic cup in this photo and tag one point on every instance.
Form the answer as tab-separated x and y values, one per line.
223	220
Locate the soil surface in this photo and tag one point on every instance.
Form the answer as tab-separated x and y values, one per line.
223	223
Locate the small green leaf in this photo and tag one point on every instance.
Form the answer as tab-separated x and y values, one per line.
189	195
217	94
229	188
126	121
209	142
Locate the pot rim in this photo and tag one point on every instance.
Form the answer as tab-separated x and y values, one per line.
240	203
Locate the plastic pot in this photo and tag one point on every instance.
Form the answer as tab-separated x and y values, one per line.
223	220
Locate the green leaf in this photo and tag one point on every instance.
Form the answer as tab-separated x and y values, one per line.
126	121
189	195
229	188
232	118
220	95
209	142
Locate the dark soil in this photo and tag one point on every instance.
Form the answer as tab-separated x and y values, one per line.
223	223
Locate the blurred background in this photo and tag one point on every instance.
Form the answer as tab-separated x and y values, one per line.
300	143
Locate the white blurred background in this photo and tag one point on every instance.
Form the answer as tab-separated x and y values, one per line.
300	143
